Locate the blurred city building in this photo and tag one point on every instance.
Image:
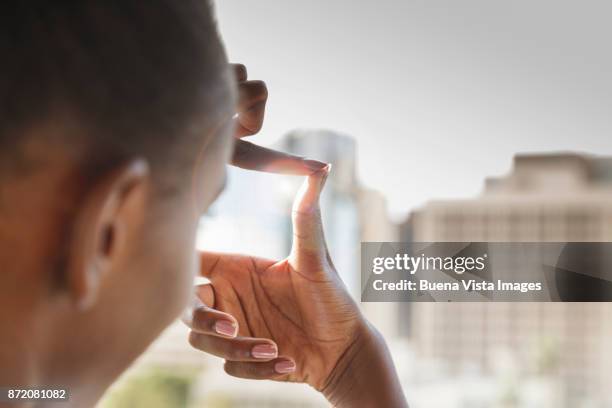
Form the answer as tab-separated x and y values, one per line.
554	198
546	198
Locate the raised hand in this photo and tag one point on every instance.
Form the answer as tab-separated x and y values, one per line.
293	320
299	303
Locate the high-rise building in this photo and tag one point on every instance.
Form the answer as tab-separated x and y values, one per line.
546	198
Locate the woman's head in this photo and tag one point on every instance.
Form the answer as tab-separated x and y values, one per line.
115	128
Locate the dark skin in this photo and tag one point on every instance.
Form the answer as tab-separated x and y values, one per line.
290	320
84	269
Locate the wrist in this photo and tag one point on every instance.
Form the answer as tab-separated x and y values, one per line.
364	375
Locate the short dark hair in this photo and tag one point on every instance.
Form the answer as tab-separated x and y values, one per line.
133	73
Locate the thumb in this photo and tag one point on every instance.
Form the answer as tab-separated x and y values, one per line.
309	249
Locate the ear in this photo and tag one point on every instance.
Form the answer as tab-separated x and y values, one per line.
111	208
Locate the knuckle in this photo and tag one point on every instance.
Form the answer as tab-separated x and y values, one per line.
195	340
232	350
230	368
262	89
233	368
240	69
255	90
239	353
226	350
244	370
255	125
201	319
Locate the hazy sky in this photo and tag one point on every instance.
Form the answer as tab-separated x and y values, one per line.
438	94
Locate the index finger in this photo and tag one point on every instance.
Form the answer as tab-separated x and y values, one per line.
250	156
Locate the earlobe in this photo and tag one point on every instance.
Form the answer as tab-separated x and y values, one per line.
112	207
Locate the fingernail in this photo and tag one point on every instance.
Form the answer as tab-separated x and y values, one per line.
264	351
284	367
314	165
226	328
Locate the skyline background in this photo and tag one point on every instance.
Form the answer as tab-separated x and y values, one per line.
431	88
